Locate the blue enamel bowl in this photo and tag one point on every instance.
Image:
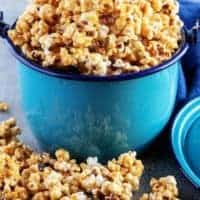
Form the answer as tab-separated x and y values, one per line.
97	116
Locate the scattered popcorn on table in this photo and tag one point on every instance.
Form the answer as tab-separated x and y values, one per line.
26	175
3	107
162	189
99	37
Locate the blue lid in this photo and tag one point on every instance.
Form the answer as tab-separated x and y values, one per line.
186	140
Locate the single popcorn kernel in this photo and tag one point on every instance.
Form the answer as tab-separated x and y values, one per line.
62	155
3	107
164	188
8	129
92	36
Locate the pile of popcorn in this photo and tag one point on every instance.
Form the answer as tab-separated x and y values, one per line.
99	37
28	175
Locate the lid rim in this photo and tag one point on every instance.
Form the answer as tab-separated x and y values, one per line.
181	121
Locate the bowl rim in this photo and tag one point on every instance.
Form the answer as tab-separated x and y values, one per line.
16	52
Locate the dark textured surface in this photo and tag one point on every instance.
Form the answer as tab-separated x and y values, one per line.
158	160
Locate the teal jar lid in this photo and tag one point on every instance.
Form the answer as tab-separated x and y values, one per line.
186	140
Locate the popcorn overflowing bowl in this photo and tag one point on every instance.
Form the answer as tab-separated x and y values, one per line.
97	94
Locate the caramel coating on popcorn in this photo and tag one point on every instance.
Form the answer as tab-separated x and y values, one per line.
164	188
3	107
99	37
26	175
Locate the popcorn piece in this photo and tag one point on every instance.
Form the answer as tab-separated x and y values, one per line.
3	107
8	129
92	161
99	37
162	189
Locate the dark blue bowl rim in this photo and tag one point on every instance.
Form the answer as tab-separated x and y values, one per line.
81	77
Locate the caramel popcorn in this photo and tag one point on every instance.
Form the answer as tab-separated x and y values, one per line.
162	189
26	175
99	37
3	107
